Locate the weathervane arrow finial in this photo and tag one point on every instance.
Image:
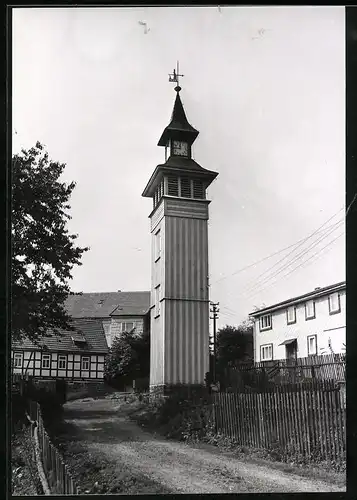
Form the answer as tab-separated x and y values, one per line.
174	77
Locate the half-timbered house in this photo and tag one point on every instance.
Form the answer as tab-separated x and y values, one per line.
77	355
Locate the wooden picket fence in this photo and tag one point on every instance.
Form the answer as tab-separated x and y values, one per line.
283	371
296	421
57	474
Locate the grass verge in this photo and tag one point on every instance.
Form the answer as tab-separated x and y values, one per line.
24	475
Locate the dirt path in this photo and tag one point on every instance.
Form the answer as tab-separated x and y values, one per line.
104	429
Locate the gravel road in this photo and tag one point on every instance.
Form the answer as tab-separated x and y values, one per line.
104	429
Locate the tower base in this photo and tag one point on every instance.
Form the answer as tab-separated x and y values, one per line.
186	391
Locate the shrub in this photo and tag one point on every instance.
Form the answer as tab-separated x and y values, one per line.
179	416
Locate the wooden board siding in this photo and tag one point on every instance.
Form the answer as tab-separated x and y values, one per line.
184	208
180	335
157	215
157	349
186	341
186	264
32	365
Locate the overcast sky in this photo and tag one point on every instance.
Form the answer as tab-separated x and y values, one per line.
265	86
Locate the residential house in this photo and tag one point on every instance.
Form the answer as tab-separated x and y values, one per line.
118	311
310	324
70	355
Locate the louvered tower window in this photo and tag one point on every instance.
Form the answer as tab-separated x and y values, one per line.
198	189
185	187
172	186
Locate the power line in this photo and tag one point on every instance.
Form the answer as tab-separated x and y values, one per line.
297	267
249	288
294	249
229	309
277	252
228	315
289	263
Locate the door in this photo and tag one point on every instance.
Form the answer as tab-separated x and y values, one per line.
291	351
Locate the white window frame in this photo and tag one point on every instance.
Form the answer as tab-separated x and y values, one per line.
310	337
265	325
263	348
289	320
307	315
124	327
338	310
157	245
18	356
83	360
46	358
157	300
61	358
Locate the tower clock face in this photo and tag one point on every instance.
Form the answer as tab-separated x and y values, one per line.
180	148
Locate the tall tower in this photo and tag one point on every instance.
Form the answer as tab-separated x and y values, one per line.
179	288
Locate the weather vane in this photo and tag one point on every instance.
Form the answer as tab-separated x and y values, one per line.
174	77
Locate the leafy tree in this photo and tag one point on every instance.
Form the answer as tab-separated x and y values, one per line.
234	344
43	251
129	357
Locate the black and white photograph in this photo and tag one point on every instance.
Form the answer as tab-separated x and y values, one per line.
178	250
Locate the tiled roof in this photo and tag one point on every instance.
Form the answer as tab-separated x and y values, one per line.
102	304
318	292
92	330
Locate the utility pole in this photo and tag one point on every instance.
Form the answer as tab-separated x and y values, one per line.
214	317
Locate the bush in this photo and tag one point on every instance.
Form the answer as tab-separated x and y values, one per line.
179	416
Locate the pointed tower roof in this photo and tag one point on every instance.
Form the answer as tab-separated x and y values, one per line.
178	123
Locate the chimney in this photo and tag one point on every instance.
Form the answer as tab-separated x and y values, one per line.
318	288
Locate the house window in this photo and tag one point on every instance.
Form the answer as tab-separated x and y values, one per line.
62	362
185	187
312	345
157	245
157	301
265	322
334	303
198	189
291	315
18	360
310	309
266	352
85	363
46	358
172	186
127	326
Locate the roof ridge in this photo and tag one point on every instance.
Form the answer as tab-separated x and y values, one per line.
315	291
